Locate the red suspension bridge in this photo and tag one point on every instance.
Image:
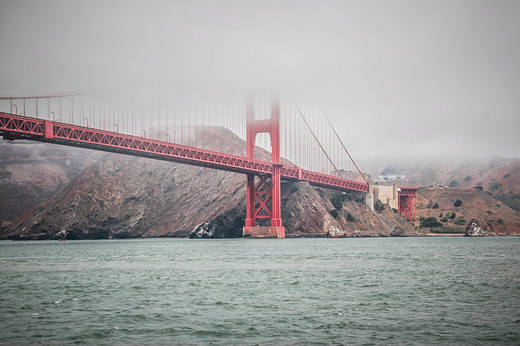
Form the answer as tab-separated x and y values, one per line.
302	146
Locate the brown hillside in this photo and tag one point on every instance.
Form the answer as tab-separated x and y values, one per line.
495	216
485	172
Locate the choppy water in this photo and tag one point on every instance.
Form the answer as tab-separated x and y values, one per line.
247	291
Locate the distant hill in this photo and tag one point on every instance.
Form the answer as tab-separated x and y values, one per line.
498	176
494	216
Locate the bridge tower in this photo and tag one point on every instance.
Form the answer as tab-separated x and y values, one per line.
264	191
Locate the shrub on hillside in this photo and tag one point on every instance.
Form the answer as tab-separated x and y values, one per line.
379	206
430	222
446	229
460	221
334	213
457	203
495	186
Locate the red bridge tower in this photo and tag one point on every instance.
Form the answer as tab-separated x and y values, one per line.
263	191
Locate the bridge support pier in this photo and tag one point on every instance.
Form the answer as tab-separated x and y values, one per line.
264	191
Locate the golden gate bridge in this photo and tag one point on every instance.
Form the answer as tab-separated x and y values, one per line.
299	143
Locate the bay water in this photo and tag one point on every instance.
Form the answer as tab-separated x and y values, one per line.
261	291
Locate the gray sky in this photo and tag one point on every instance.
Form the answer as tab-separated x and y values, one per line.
400	78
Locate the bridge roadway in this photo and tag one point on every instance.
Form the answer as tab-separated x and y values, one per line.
22	127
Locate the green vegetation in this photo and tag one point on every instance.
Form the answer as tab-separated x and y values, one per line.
490	212
457	203
507	175
511	201
447	230
337	201
350	217
430	222
478	187
436	205
334	213
448	216
454	183
495	186
468	178
379	206
460	221
395	210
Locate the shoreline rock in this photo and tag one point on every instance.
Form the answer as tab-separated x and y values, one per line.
474	229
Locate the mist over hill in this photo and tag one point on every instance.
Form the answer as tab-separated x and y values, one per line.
499	176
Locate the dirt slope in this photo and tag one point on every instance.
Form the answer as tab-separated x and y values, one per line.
495	216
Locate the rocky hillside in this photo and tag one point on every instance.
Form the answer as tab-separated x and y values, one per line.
125	196
455	207
32	172
497	175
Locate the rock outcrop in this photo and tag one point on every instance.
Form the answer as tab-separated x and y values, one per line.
474	229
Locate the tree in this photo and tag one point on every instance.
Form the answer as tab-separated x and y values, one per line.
457	203
436	205
454	183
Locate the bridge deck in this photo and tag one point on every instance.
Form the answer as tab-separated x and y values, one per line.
22	127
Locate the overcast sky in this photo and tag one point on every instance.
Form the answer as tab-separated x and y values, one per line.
400	78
